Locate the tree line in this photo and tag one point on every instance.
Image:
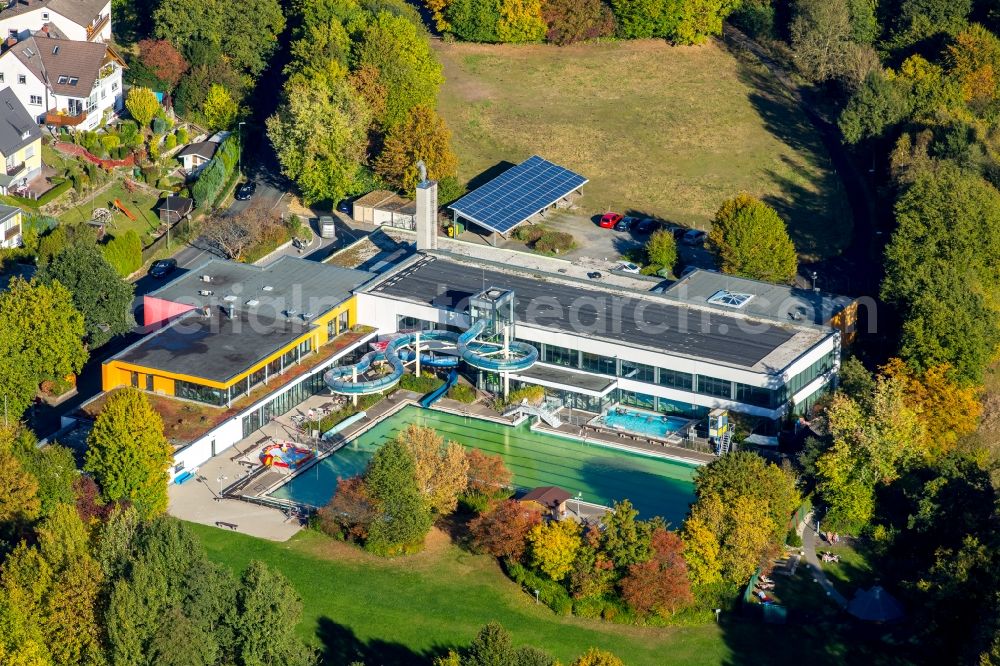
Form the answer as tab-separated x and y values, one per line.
359	104
906	456
567	21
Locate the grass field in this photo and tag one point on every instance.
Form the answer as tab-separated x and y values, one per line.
659	130
404	612
141	204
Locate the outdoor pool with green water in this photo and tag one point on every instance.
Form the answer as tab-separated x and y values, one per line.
656	486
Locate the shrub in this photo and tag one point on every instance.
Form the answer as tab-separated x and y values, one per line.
182	135
128	132
170	142
534	394
154	148
793	539
555	242
110	141
124	253
529	233
423	384
449	189
159	125
462	393
550	593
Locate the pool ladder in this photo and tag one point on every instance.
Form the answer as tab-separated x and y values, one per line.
725	443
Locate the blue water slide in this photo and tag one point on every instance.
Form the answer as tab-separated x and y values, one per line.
477	354
433	396
482	356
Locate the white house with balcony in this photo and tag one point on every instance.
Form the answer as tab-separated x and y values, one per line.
77	20
62	82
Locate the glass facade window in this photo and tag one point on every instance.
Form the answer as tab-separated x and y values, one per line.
343	321
720	388
640	400
135	379
331	328
199	393
283	403
305	347
560	356
274	367
255	378
755	395
149	382
639	372
596	363
674	379
801	380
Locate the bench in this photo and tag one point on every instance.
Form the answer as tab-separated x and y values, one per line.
222	523
183	476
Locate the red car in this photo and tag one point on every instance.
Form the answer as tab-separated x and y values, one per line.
609	220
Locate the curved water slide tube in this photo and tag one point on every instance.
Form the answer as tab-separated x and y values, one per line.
477	354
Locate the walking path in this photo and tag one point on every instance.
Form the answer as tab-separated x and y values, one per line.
809	547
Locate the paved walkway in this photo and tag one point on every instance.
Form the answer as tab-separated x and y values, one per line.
809	547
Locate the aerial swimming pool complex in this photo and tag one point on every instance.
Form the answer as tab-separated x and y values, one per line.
656	486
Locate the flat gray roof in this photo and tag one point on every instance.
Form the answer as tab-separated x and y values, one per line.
777	301
216	347
631	318
583	380
287	285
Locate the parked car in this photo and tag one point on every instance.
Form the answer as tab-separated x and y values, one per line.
678	232
246	190
694	237
647	226
595	275
629	267
609	220
162	268
624	224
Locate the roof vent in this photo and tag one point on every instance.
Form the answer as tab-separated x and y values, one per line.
306	316
55	50
206	278
229	299
291	313
267	287
205	292
252	303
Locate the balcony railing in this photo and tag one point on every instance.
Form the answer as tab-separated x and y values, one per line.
14	170
58	118
95	28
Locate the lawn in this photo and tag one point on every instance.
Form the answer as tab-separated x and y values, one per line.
406	611
852	571
140	203
658	130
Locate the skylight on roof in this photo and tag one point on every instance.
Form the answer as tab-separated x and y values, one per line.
729	299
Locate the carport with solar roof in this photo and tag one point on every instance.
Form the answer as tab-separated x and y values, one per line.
517	195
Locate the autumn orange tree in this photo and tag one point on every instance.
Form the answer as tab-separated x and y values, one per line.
350	511
660	584
488	480
423	135
503	531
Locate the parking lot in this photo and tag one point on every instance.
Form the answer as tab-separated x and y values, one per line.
607	247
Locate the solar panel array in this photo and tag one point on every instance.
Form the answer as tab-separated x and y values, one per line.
517	194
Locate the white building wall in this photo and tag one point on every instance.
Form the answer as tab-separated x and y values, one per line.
10	69
24	24
382	312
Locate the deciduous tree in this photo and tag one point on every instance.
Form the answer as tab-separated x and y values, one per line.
220	108
701	19
492	646
661	583
520	21
422	136
18	491
442	471
661	250
554	546
250	31
488	474
54	467
752	241
142	104
503	530
625	537
407	68
320	136
598	657
128	454
234	235
163	59
350	511
41	340
99	293
267	610
572	21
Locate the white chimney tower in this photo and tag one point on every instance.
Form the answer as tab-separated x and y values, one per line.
427	205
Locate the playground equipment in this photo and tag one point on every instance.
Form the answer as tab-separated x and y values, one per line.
285	455
487	345
117	203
